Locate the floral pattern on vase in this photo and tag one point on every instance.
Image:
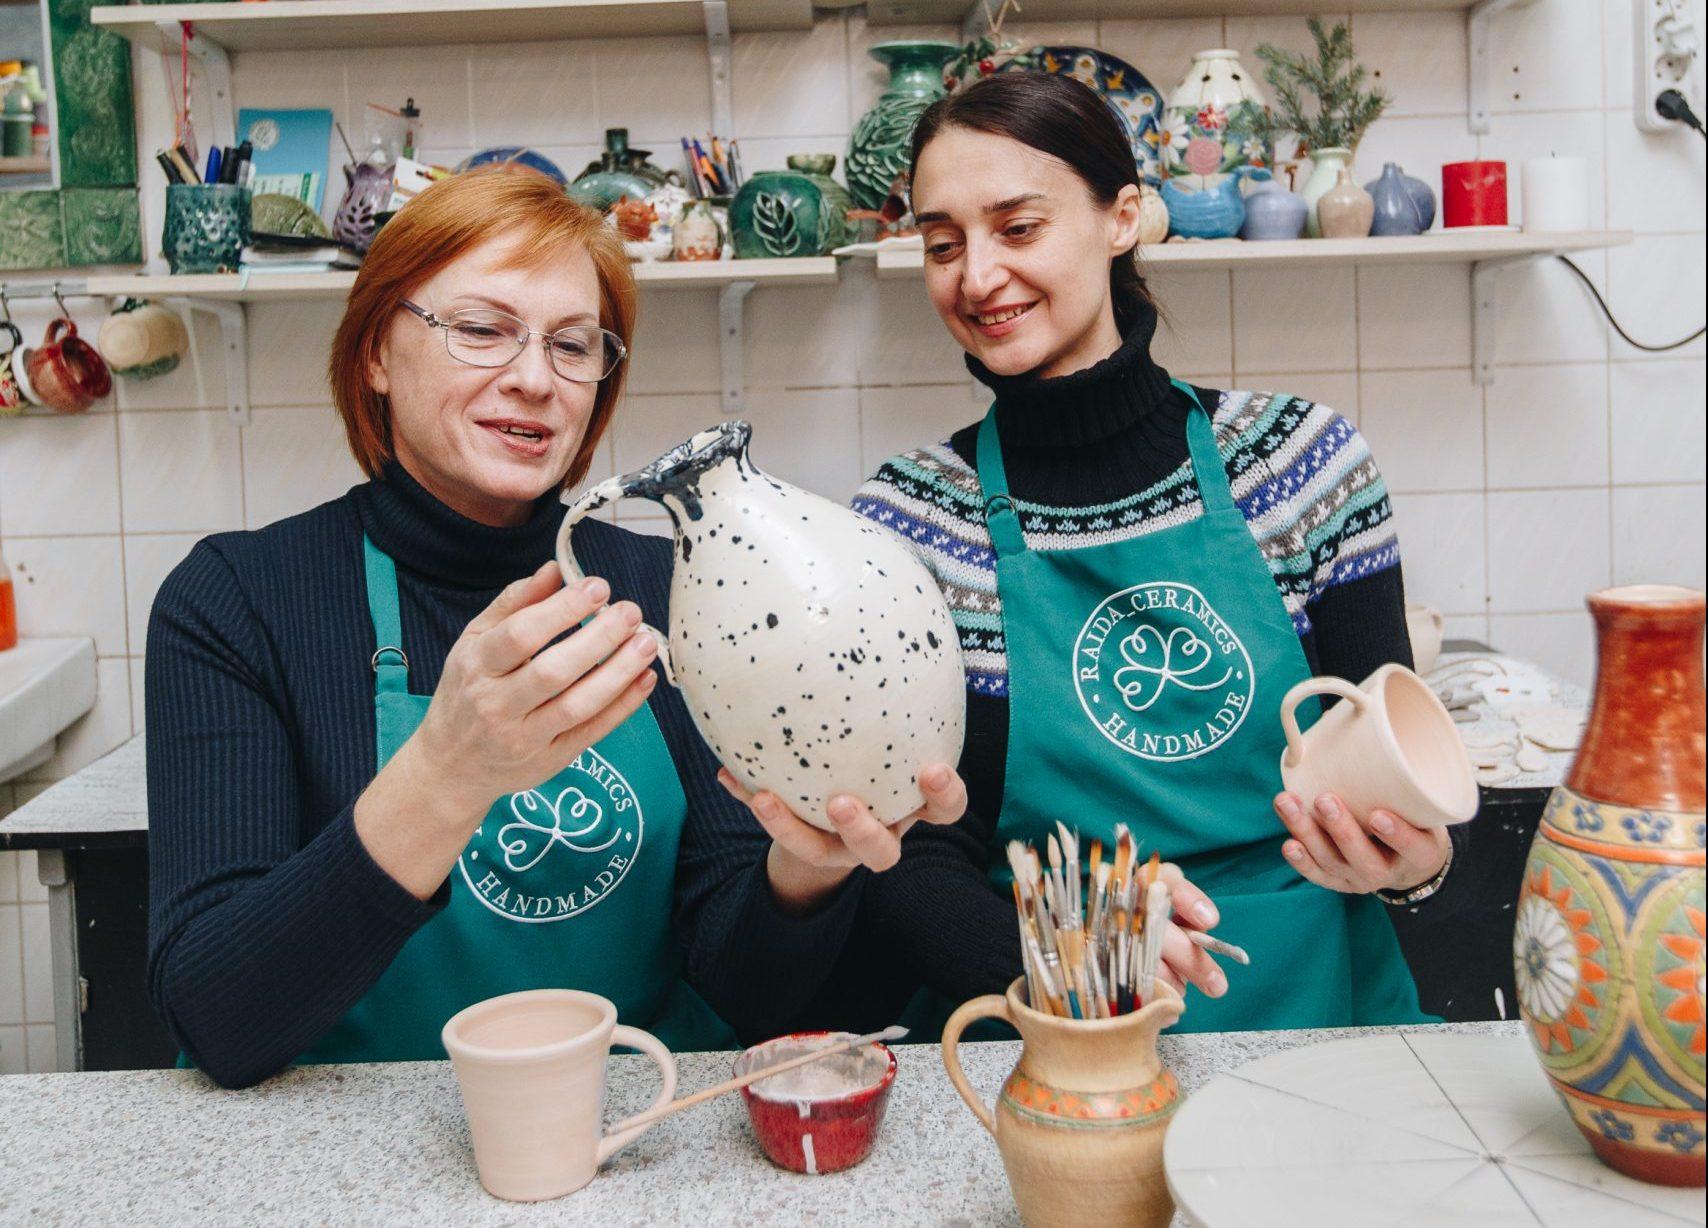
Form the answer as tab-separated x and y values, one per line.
1608	941
1210	128
879	149
1134	101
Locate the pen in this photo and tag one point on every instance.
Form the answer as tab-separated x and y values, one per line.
215	159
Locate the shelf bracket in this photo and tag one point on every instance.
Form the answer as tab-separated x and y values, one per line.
1480	79
730	331
234	337
1485	284
718	56
216	66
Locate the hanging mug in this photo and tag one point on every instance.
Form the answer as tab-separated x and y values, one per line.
12	400
142	339
66	372
19	365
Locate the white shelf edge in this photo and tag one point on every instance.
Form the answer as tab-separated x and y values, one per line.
953	12
321	24
1435	247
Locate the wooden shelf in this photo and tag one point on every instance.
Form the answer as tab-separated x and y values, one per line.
281	25
25	166
1437	247
309	287
951	12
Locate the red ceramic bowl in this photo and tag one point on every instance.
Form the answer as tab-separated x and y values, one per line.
823	1117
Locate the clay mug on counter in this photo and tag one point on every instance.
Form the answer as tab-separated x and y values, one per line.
531	1067
65	372
1389	745
1080	1121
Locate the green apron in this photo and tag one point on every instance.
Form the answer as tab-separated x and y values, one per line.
1145	679
569	884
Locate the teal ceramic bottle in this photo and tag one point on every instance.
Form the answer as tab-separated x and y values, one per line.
798	212
878	150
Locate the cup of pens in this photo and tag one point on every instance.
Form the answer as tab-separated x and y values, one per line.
1080	1121
207	227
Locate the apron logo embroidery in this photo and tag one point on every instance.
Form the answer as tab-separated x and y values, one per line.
560	854
1178	681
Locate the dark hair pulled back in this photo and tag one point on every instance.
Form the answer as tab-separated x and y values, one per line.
1062	117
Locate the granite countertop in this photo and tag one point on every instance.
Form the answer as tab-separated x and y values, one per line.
103	806
387	1143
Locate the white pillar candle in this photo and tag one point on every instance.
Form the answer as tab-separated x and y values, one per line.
1555	194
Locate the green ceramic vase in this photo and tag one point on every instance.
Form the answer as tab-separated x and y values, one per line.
797	212
882	141
207	227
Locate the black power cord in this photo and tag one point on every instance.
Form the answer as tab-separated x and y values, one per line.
1671	104
1606	311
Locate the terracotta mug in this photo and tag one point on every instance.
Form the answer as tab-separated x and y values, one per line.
1390	745
66	372
531	1067
1080	1121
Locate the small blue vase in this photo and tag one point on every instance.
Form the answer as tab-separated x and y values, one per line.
1272	213
1404	206
1215	213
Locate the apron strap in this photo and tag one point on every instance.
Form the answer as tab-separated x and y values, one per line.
391	667
999	514
1207	468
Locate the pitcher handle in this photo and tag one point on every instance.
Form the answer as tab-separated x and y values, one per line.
1313	686
654	1048
596	497
991	1006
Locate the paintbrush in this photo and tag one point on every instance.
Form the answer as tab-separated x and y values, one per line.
1156	916
1217	947
894	1032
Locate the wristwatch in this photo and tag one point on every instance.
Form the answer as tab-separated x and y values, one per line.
1399	899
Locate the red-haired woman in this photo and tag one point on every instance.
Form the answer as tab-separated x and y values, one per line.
395	766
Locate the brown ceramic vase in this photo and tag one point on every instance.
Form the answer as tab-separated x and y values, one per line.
1080	1121
1608	941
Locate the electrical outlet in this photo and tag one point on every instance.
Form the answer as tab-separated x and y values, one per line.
1667	43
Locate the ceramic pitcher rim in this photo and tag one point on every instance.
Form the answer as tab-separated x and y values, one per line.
1168	1002
1462	806
457	1046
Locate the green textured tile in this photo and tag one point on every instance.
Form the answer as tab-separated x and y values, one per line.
31	235
102	226
94	108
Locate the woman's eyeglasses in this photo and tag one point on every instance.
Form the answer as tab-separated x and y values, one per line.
487	337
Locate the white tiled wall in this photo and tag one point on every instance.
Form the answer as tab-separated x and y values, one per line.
1582	465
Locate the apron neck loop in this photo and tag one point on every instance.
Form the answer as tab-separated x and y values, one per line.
391	667
1207	468
999	514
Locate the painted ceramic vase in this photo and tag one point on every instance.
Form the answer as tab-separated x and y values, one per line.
696	234
789	213
1081	1120
1134	101
815	653
882	140
1214	213
619	172
1210	127
1345	210
1273	213
1608	939
367	191
1326	165
1404	205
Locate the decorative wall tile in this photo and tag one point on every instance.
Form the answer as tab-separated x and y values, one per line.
32	233
102	226
93	110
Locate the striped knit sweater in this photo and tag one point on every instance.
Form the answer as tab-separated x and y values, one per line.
1300	473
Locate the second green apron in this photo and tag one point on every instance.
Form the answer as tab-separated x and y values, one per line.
1144	683
567	884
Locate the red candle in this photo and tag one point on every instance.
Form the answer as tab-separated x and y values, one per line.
1473	194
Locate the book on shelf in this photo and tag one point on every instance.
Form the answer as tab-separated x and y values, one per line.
326	257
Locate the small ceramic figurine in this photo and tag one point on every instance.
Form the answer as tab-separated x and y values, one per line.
1153	216
696	234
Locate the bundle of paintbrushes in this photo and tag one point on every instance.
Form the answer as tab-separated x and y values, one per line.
1091	944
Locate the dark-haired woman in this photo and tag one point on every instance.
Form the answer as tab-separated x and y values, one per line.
1139	569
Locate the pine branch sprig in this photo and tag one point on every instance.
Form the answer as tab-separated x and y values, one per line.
1340	110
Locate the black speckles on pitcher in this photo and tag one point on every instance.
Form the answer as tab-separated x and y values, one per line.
815	651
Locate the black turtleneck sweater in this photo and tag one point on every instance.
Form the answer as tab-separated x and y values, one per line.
268	918
1080	441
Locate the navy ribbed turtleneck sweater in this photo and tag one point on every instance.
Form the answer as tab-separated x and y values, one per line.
267	917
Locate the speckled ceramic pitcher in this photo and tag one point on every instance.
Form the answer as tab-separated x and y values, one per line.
1081	1120
814	651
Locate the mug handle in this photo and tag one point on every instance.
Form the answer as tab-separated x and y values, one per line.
606	492
1313	686
991	1006
654	1048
